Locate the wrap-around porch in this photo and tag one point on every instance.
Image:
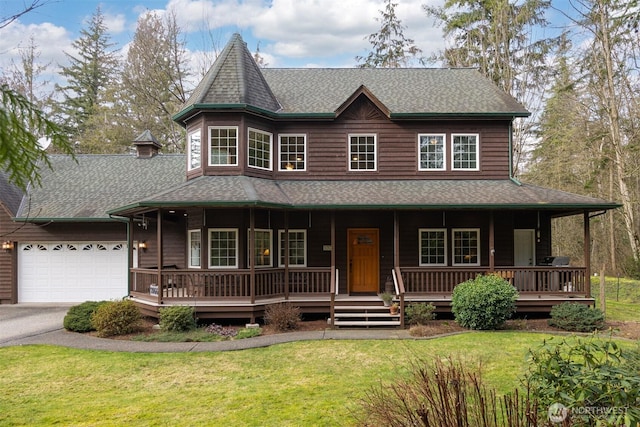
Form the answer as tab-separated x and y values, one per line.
245	292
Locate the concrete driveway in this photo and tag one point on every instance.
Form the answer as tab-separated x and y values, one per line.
26	320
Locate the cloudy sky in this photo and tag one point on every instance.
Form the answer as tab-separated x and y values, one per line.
290	33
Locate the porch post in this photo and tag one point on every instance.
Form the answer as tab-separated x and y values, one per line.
252	264
587	255
492	248
286	255
129	254
333	277
396	240
159	254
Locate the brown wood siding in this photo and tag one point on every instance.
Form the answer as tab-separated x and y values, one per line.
396	145
174	244
7	261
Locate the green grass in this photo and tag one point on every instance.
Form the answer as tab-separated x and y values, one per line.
314	383
622	298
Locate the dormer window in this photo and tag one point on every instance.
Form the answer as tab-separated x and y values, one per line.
194	151
259	149
223	146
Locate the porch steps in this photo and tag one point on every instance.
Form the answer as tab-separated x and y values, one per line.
368	316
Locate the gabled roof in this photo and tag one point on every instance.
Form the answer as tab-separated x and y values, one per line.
86	190
10	194
391	194
235	81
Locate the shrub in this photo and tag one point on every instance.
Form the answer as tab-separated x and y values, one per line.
178	318
116	318
419	313
576	317
78	318
282	317
442	393
484	302
586	374
221	331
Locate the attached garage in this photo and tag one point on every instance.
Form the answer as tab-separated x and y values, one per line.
72	271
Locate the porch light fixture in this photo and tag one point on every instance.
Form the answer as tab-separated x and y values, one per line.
143	245
7	246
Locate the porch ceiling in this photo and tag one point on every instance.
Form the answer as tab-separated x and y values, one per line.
407	194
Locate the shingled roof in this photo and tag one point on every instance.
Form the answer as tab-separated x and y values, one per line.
408	194
10	194
235	81
86	190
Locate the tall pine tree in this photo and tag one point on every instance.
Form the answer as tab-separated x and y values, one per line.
390	47
89	72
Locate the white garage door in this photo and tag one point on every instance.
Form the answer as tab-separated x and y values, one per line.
72	272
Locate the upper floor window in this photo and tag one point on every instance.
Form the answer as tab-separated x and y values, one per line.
433	246
194	150
293	152
195	245
259	149
223	146
362	152
432	152
466	246
223	248
297	248
465	152
262	248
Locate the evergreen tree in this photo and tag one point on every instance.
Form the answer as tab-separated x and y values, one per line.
88	74
390	48
496	36
23	125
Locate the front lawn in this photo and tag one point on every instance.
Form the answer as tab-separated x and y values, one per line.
302	383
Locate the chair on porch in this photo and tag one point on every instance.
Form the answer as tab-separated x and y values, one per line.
506	275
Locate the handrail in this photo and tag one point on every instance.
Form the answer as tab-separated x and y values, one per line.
399	285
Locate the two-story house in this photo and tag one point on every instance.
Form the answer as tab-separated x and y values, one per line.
317	186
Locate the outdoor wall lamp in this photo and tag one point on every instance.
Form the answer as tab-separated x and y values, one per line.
7	246
143	245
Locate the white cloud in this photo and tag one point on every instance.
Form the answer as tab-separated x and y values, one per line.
115	24
50	40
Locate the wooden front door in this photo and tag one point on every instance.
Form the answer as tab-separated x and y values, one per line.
364	264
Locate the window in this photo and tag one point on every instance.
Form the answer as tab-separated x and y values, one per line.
259	149
194	150
223	146
432	152
433	246
223	244
466	246
195	245
297	248
362	152
465	152
262	249
292	152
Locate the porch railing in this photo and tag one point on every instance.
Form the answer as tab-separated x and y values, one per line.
426	280
229	284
